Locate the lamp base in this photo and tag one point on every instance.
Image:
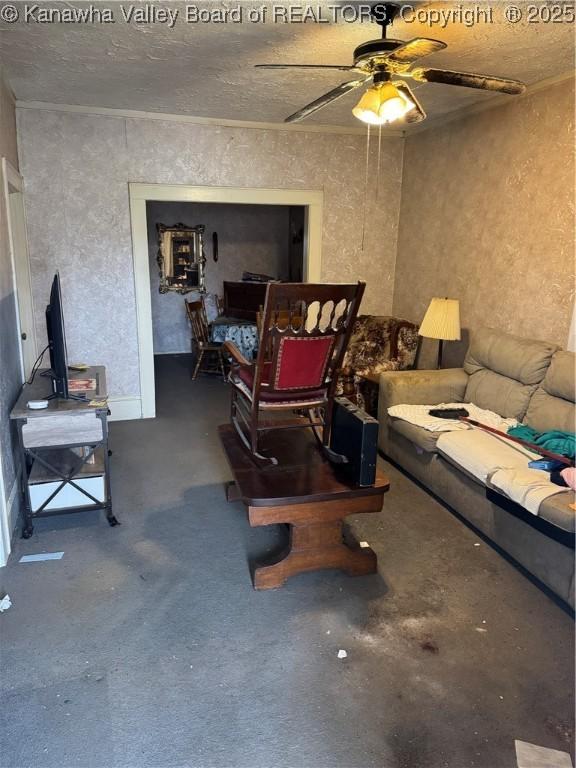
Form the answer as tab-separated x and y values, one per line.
440	345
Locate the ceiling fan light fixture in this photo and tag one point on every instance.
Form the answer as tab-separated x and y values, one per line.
395	110
381	104
368	108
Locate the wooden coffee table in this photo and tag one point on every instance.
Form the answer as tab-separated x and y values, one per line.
309	494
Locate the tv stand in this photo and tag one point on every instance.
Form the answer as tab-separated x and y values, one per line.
64	456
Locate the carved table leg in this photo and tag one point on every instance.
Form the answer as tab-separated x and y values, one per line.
314	546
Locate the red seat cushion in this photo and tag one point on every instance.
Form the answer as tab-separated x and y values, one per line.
247	374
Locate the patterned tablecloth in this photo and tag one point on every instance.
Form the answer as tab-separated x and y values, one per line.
242	333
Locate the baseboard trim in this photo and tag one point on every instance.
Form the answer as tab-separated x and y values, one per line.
125	408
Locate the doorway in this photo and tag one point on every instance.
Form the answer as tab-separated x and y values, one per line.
248	243
141	194
18	244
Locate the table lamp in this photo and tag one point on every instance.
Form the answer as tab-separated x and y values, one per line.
442	322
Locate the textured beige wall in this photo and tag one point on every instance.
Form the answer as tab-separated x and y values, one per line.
487	216
77	169
8	143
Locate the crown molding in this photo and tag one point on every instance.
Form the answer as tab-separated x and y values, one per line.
132	114
494	103
431	123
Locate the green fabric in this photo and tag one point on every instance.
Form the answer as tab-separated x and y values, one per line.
563	443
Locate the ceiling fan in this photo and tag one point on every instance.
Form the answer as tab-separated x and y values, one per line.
378	62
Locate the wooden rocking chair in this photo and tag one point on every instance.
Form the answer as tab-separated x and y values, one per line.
304	333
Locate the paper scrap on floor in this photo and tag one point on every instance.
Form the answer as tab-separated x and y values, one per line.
532	756
5	603
41	556
419	416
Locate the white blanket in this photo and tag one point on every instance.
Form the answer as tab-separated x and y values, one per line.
527	487
501	465
418	415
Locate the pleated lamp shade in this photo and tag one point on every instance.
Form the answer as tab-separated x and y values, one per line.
442	320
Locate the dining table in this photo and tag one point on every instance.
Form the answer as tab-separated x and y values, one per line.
243	333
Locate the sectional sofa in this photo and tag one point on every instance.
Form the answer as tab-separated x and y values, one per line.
532	381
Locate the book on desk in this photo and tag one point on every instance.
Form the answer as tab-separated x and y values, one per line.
82	384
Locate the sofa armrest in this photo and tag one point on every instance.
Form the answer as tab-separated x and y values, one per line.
446	385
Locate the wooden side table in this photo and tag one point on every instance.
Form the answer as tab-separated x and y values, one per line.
304	491
371	389
65	465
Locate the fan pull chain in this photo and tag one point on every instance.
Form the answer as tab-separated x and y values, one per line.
378	166
366	186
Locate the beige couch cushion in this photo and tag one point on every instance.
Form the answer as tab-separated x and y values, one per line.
525	360
556	510
498	393
504	371
546	412
560	379
552	405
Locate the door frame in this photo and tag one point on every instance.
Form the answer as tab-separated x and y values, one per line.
14	187
311	199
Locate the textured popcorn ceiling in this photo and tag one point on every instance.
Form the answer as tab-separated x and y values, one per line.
206	70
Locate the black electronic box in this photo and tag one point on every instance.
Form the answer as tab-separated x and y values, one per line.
354	435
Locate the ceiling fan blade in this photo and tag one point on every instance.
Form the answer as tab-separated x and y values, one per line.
322	101
417	114
341	67
415	49
484	82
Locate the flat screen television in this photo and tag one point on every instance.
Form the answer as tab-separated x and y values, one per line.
57	341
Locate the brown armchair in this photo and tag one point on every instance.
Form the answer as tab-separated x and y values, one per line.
304	333
377	344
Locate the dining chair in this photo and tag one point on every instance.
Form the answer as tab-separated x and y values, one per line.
202	344
213	307
305	328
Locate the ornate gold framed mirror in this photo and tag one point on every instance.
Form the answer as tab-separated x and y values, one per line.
181	258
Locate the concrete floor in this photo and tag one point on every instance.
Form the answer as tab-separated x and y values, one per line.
147	646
